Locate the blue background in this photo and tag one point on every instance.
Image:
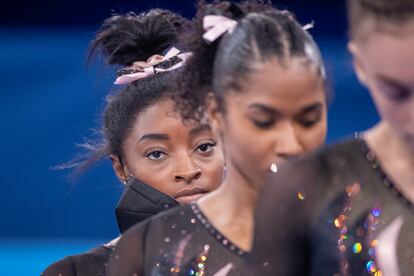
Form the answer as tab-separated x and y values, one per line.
49	101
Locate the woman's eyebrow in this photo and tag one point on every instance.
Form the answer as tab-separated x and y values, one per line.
311	107
198	129
154	136
266	109
394	83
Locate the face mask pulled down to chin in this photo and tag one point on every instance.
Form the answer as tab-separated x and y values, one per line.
139	202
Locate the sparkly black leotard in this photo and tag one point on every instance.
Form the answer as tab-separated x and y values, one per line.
334	213
181	241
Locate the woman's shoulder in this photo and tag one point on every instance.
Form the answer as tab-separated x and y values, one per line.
142	241
62	267
347	148
152	228
318	172
341	156
92	262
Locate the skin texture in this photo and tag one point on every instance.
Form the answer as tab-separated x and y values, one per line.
390	80
180	160
277	116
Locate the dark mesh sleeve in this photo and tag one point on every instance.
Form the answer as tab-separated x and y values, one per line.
128	256
89	263
62	267
283	216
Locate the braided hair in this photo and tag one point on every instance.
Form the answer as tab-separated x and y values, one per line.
262	32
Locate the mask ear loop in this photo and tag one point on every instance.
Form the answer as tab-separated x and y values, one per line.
130	175
124	181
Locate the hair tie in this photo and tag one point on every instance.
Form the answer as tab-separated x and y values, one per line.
172	60
215	26
309	26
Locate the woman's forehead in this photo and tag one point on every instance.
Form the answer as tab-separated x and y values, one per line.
163	118
390	56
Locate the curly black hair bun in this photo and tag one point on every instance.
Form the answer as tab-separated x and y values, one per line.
124	39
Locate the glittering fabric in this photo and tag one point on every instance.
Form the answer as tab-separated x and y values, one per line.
181	241
333	213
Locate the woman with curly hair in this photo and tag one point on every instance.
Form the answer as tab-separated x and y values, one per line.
162	161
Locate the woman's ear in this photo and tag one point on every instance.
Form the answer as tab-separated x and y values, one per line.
118	167
358	65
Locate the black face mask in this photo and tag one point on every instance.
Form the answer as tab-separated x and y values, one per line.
139	202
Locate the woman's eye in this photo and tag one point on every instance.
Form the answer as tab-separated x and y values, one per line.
309	123
206	147
263	124
156	155
398	95
310	119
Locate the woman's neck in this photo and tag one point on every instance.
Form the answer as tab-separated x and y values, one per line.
395	156
231	207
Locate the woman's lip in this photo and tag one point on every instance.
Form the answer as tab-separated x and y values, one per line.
190	198
190	192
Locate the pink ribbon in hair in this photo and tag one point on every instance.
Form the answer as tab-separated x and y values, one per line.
144	69
215	26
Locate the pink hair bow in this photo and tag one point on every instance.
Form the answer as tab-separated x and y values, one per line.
142	69
217	25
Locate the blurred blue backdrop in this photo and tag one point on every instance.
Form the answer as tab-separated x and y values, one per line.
49	101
